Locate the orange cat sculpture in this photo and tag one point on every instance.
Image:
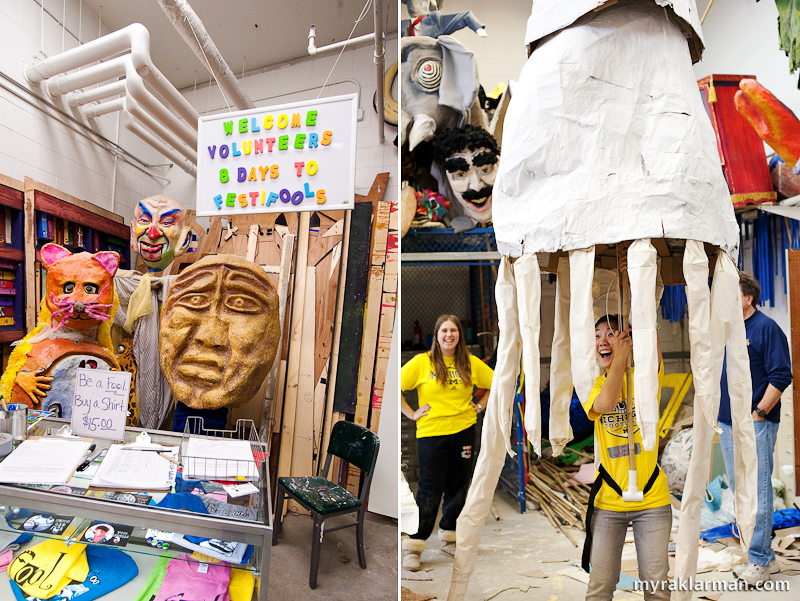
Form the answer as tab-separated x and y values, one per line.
74	330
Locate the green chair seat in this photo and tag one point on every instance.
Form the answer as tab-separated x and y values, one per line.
320	494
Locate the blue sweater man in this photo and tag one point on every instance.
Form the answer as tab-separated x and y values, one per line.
771	373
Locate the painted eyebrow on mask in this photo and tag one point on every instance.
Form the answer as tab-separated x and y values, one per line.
145	211
170	212
484	158
457	164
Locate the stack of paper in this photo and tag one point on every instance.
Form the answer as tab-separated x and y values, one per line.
43	461
219	459
132	469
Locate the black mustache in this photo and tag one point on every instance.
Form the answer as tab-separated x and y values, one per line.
484	192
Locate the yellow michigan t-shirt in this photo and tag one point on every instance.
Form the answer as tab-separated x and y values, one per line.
611	449
451	411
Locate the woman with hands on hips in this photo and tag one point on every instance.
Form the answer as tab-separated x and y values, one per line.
444	379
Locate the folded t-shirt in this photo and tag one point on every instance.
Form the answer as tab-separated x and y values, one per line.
58	563
109	569
154	579
189	579
241	585
183	500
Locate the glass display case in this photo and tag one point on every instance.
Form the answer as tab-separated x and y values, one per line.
130	520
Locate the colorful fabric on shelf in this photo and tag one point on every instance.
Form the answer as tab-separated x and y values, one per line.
242	581
109	569
184	501
186	578
241	585
5	559
229	551
58	563
154	579
432	205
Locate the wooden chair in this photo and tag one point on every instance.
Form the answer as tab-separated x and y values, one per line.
324	499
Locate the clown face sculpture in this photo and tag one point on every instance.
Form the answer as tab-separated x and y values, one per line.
219	332
159	232
469	156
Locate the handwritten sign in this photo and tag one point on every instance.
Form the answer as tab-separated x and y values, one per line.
100	407
290	157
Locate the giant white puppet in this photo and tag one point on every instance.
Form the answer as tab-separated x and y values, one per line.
606	141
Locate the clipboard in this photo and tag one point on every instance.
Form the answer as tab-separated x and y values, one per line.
129	468
22	469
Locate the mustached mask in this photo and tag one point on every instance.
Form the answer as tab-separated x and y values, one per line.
469	156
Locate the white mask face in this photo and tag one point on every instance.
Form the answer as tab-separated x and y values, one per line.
471	174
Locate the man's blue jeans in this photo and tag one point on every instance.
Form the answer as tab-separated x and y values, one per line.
760	552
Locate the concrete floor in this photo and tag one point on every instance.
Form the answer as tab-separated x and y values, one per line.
336	581
521	542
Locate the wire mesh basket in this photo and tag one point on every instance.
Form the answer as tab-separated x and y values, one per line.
235	456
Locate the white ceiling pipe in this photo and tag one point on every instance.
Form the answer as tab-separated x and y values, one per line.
379	56
135	109
129	123
134	84
194	33
99	109
313	49
63	84
135	38
129	105
76	99
138	91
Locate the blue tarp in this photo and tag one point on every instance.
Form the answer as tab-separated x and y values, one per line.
783	518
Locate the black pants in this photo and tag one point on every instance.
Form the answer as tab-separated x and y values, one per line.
445	467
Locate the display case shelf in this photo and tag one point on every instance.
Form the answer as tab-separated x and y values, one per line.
86	509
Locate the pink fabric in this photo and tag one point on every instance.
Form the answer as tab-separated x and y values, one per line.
183	581
5	559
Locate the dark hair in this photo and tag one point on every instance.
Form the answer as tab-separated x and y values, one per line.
450	141
750	286
463	366
608	319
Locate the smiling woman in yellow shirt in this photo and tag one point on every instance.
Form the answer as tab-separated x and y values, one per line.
609	515
444	379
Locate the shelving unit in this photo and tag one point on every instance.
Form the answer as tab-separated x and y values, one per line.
12	259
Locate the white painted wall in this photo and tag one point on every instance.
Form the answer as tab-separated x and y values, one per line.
36	145
502	53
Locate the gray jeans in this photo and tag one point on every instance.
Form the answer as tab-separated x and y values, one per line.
651	529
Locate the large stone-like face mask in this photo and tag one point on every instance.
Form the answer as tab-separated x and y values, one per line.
471	174
219	332
159	232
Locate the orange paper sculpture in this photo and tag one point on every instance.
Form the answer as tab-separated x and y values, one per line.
773	121
74	330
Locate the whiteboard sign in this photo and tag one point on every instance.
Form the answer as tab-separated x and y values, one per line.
100	407
290	157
